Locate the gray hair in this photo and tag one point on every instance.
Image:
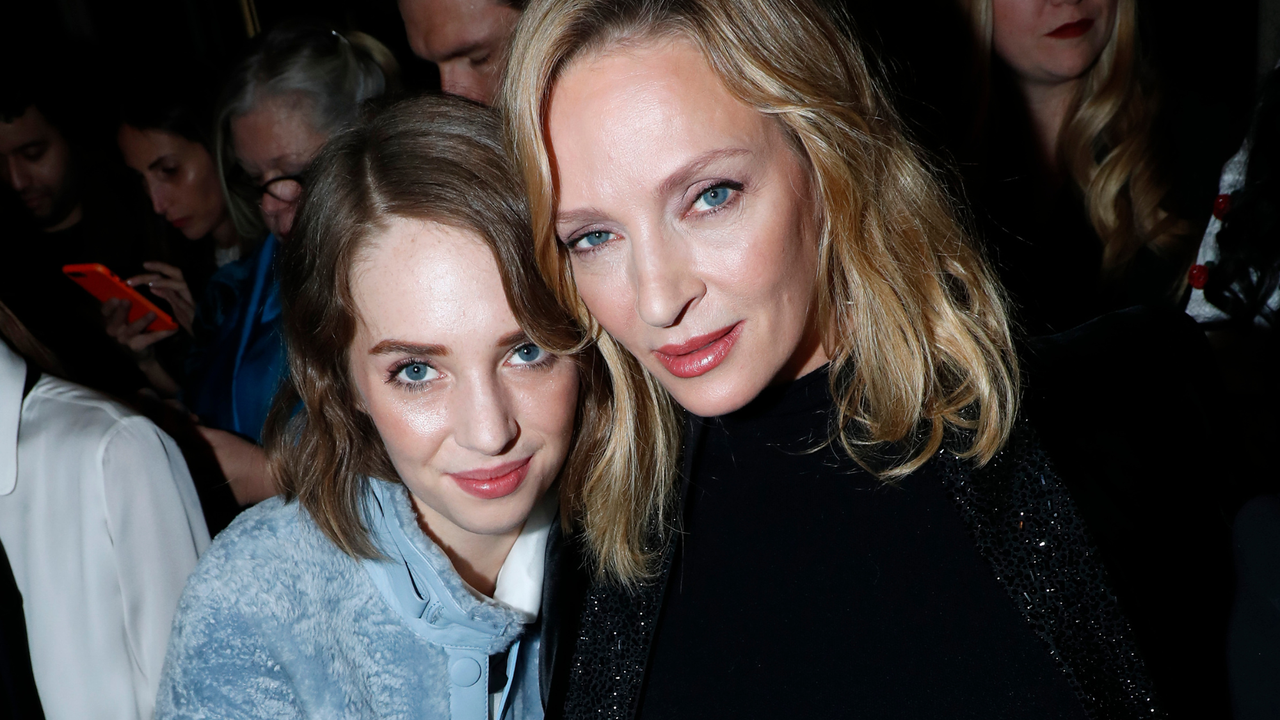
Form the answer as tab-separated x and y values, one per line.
334	72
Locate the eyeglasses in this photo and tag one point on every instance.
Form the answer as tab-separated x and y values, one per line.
286	188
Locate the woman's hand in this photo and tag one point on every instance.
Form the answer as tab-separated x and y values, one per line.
166	282
131	334
243	464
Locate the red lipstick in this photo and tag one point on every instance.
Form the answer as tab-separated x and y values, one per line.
699	355
1072	29
180	222
495	482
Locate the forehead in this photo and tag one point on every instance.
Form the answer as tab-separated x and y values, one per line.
277	129
438	28
30	126
136	143
647	110
425	282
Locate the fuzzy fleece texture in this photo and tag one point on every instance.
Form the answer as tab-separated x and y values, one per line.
276	622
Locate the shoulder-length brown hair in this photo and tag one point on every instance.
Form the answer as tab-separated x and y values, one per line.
912	320
1106	145
438	159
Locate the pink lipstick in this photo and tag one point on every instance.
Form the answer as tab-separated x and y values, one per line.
495	482
1072	29
699	355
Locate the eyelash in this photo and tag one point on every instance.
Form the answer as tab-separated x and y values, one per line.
733	185
393	373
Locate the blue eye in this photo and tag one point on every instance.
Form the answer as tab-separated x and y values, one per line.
590	240
527	354
714	197
415	373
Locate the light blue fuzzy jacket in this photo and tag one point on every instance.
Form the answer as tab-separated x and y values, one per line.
277	622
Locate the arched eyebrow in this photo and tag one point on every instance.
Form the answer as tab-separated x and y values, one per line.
681	178
401	347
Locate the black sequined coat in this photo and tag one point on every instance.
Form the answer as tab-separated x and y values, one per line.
1023	522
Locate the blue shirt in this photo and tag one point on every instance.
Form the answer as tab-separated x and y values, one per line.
238	358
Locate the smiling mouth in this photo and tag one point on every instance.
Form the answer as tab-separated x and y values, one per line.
495	482
1071	29
699	355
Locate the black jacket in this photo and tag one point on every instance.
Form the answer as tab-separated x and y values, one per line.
1022	520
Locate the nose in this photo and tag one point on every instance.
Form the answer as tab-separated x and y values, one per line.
485	418
458	79
278	214
159	202
17	176
664	279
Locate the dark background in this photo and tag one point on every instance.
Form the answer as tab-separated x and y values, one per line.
1208	56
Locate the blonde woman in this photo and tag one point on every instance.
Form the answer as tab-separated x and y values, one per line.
1065	166
722	195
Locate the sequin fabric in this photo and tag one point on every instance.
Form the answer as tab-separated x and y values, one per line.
1027	527
613	648
1024	523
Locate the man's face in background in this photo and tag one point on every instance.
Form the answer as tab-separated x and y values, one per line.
466	39
35	160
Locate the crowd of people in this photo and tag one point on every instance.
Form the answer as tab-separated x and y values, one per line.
661	365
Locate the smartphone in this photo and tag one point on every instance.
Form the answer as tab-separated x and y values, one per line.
104	285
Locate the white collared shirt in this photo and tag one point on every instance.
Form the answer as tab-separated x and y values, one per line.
102	525
519	583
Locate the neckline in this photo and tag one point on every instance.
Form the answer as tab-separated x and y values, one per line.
805	395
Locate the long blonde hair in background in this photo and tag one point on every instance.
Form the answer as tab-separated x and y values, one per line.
1105	145
914	325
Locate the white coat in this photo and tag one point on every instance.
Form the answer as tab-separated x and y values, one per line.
102	525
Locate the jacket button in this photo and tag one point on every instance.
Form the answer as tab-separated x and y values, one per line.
464	672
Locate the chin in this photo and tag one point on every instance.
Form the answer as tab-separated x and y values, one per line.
496	517
709	396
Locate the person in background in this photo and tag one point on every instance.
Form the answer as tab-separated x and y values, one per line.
1235	298
280	105
101	525
77	206
466	39
418	441
1064	171
166	137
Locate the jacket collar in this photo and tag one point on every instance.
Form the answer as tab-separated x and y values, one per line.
13	375
417	579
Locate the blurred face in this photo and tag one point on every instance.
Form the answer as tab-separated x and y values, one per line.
36	161
276	139
688	219
180	178
1050	42
475	418
467	39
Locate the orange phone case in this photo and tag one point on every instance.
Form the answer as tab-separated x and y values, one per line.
104	285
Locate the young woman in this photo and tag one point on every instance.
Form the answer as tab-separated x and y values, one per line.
721	192
424	425
1065	169
167	139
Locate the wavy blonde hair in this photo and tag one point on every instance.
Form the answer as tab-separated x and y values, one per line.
912	320
1105	144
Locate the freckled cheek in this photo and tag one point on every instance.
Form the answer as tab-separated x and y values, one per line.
548	403
411	429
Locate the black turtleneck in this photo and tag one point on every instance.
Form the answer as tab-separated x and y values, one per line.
803	586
